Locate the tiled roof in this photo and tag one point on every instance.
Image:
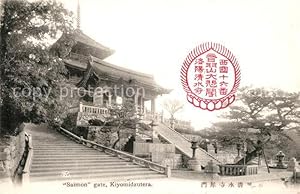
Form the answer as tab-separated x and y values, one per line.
104	68
104	51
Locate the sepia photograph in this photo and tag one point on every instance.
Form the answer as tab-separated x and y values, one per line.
149	96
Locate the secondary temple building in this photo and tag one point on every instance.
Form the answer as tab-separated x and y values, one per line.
94	84
94	77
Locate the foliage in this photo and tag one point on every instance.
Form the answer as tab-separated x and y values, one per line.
259	114
69	122
121	117
28	62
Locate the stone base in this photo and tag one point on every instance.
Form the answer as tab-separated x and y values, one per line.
194	164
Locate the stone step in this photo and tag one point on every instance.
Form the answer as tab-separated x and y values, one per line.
54	155
50	140
65	153
60	147
103	163
87	171
76	161
60	143
68	152
103	176
68	145
115	165
65	149
35	145
70	157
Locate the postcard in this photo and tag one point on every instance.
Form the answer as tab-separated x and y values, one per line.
149	96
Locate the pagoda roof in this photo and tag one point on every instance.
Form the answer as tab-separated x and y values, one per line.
101	50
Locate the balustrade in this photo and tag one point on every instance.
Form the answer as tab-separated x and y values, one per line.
92	109
238	170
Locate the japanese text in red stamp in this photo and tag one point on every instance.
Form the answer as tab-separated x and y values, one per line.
210	76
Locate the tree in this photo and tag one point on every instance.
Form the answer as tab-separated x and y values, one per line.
121	118
259	117
173	106
31	72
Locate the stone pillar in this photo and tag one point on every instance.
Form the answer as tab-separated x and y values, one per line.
98	99
142	105
211	171
168	171
80	107
292	164
109	99
136	101
153	105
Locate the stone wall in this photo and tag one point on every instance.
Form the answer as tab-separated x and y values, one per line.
11	152
175	162
160	153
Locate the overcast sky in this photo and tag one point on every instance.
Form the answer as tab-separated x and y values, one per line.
155	36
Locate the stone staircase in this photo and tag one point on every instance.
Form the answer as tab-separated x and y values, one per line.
182	144
56	157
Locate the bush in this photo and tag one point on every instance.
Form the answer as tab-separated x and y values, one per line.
69	122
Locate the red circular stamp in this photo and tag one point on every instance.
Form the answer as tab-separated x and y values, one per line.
210	76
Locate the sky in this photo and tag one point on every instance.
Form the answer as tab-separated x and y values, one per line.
155	36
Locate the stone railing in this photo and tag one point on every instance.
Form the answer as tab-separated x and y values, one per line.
92	109
156	117
238	170
179	124
159	117
29	154
122	155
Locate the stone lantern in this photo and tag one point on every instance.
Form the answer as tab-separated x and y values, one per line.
193	163
280	155
238	147
194	147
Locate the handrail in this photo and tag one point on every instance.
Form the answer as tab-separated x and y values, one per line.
26	169
202	150
176	132
159	168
